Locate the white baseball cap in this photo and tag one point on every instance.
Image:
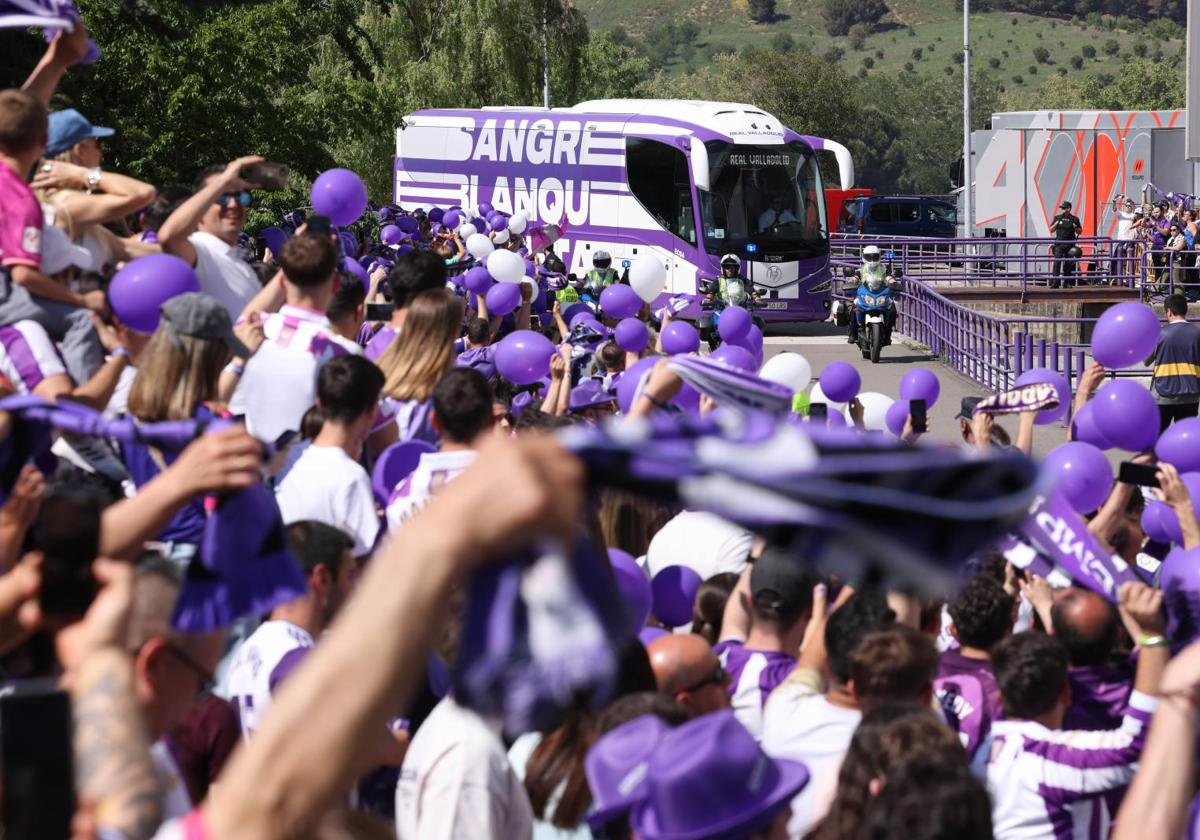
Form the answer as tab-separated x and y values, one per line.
59	253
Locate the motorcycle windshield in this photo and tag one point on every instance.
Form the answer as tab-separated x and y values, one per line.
767	197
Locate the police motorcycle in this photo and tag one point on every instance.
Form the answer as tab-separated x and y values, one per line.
872	314
730	289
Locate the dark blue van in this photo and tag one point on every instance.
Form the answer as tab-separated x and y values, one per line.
898	215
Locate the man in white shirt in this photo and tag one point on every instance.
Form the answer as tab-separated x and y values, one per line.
1123	247
456	782
170	668
804	725
278	384
327	483
279	644
462	412
1045	781
204	230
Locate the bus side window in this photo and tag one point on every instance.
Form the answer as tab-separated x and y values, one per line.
659	179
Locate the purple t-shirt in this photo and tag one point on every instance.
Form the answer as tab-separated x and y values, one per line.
1099	697
753	675
482	359
379	343
970	700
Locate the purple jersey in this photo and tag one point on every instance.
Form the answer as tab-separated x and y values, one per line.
753	675
966	690
379	343
482	359
1099	697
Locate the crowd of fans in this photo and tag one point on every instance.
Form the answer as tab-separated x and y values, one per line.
780	702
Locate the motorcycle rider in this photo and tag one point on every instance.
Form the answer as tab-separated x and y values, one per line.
601	276
874	276
731	286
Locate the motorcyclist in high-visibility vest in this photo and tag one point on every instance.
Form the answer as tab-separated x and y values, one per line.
731	286
601	276
874	275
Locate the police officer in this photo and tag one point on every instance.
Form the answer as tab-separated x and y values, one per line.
1066	228
601	276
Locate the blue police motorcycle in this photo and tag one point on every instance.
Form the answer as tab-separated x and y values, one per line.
872	314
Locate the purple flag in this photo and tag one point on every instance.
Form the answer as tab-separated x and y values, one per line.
47	14
731	387
1028	559
1034	397
1055	530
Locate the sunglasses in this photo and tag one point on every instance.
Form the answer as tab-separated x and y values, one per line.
242	198
717	677
207	680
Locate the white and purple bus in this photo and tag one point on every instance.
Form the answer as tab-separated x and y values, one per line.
686	181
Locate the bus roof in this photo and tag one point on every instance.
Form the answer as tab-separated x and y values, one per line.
733	122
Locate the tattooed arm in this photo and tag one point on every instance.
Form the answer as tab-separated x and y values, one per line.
112	750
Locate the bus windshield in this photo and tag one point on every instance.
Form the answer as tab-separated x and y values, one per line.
766	197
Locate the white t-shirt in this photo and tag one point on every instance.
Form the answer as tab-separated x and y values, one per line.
260	664
326	485
279	383
414	492
803	726
223	273
176	802
702	541
1124	225
456	782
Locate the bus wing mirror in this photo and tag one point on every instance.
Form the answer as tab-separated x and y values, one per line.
699	163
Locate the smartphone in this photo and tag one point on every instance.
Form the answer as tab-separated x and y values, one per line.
1144	475
818	411
320	225
268	175
916	414
380	311
68	534
37	781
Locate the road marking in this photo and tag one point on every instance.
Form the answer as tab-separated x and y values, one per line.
806	339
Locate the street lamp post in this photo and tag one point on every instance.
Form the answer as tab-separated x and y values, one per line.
968	201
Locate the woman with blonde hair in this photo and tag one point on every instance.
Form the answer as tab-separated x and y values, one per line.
177	380
415	362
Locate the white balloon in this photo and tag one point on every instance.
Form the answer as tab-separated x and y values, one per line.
479	246
875	406
466	231
518	223
505	266
816	395
790	369
500	237
647	276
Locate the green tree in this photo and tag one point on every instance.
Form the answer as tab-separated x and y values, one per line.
858	36
1088	51
688	32
783	42
868	62
1141	86
1111	47
1077	62
840	15
917	52
762	11
1041	55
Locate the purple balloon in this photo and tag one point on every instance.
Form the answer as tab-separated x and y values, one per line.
896	417
452	220
836	420
1156	522
647	635
840	382
138	291
394	465
478	280
480	225
633	585
680	337
920	384
523	357
1035	376
349	243
1083	428
734	324
620	301
436	215
674	595
574	310
349	266
1127	415
339	194
627	387
753	341
408	224
486	209
579	317
632	335
736	357
1125	335
1081	473
503	298
498	223
390	234
1179	445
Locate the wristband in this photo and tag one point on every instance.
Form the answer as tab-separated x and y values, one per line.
654	400
119	353
1149	641
236	368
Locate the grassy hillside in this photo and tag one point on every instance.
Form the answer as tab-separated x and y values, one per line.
1003	44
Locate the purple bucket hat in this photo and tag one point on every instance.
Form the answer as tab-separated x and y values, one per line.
588	394
709	778
617	765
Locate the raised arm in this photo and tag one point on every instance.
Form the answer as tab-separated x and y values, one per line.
66	50
291	771
112	197
174	233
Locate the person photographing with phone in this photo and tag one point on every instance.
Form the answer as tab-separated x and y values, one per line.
1066	228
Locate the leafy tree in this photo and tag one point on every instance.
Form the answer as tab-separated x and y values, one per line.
1077	62
834	54
1088	51
688	32
917	52
840	15
1018	79
1041	55
1031	69
783	42
1139	49
994	63
868	62
762	11
858	36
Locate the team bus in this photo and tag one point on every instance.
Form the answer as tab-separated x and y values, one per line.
685	181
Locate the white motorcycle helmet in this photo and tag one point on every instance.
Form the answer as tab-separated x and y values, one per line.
733	260
871	254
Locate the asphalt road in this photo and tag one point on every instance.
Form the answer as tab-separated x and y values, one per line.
822	343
